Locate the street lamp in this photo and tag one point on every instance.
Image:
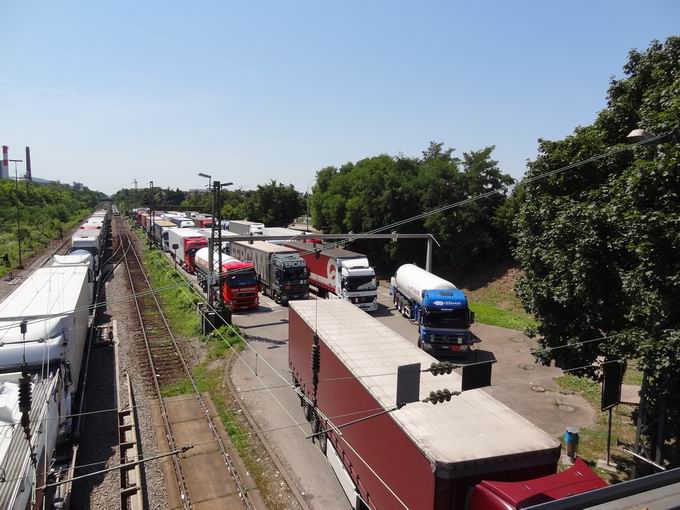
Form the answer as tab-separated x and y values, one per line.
307	203
639	135
209	177
16	180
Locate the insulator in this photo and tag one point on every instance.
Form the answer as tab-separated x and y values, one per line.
447	394
25	396
434	368
440	396
433	397
449	367
316	358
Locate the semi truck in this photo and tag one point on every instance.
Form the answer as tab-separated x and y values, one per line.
245	228
283	274
419	456
202	221
207	232
184	243
440	309
340	273
181	221
237	283
160	233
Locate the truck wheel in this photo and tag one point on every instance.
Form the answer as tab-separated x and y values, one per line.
309	411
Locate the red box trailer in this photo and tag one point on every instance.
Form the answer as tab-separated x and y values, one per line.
428	455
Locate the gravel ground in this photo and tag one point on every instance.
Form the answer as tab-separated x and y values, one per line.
99	436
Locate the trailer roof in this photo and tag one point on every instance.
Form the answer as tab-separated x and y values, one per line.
186	232
266	247
454	435
49	291
331	252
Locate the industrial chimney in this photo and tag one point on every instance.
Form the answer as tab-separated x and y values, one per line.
4	171
28	165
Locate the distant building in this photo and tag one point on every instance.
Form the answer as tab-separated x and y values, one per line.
77	185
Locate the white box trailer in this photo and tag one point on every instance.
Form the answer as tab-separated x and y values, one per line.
245	228
55	303
91	241
184	243
295	235
78	258
206	232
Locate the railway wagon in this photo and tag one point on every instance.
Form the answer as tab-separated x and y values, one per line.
430	455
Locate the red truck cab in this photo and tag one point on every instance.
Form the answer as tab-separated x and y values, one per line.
488	495
239	286
191	246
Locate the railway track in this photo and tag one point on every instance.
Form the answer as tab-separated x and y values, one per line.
218	481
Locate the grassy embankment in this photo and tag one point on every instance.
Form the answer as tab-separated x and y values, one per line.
593	440
494	301
45	212
179	306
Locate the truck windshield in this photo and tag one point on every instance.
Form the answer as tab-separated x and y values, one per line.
292	273
242	279
457	319
359	283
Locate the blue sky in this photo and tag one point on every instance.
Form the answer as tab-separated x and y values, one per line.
106	92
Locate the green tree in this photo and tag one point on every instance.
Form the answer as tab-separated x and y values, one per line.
274	204
599	245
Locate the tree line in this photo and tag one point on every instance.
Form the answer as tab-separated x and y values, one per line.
45	211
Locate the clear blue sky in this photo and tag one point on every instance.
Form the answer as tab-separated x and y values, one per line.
250	91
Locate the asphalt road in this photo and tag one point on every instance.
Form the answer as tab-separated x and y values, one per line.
517	381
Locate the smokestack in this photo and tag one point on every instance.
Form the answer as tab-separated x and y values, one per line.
28	164
4	171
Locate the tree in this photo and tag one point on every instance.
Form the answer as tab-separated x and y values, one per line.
599	245
274	204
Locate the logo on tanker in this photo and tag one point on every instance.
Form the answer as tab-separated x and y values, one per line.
331	270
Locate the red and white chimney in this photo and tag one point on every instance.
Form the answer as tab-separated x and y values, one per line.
4	171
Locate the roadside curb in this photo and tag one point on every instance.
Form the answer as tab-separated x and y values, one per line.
279	465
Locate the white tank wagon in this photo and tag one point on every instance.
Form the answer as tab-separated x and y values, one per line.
54	305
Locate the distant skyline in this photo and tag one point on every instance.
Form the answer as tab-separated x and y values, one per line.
248	92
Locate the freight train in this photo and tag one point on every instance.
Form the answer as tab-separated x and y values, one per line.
44	328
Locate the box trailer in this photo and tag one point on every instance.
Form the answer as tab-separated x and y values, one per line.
181	221
429	455
283	274
339	273
245	228
237	282
160	233
55	302
438	306
184	243
207	232
294	235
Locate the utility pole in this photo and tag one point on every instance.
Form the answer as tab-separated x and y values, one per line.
16	180
151	214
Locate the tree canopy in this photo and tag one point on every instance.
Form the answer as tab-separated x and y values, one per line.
381	190
599	244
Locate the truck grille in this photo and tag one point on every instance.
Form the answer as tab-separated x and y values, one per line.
363	299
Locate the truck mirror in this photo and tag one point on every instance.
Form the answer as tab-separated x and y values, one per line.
175	246
472	317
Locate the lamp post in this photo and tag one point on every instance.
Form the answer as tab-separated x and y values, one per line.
16	180
209	177
307	203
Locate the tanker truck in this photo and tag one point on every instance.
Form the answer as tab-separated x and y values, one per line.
441	310
238	280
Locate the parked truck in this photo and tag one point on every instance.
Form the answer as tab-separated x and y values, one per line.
160	233
339	273
441	310
420	456
207	232
245	228
237	283
283	274
202	221
181	221
184	243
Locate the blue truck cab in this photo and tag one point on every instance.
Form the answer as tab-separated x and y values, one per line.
444	319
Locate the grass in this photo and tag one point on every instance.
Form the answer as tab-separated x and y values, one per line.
593	440
486	313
